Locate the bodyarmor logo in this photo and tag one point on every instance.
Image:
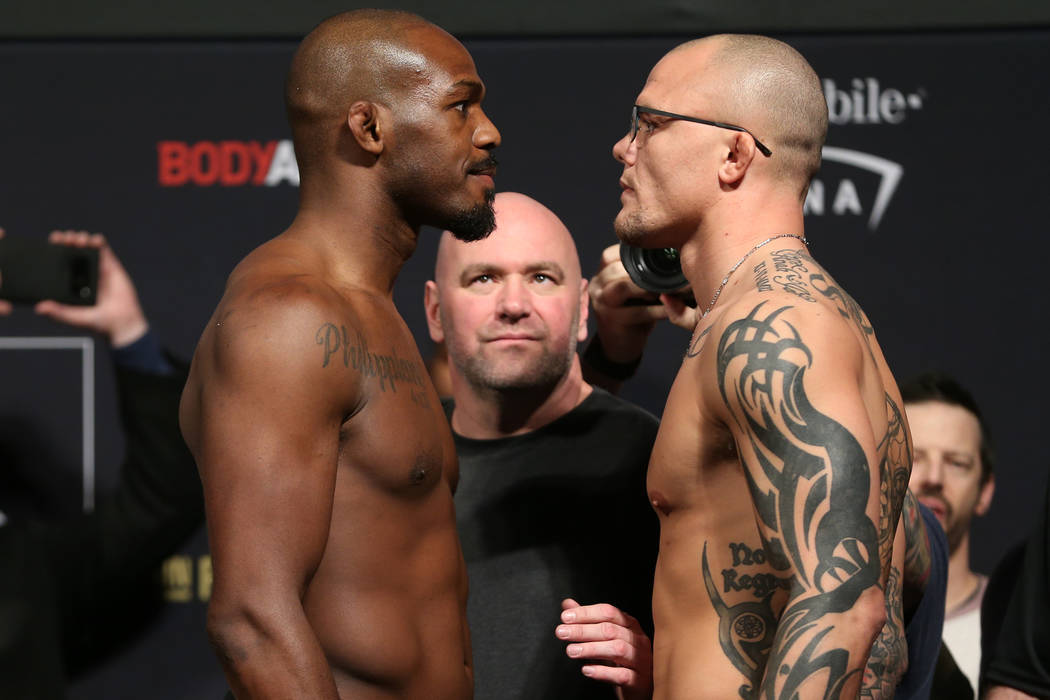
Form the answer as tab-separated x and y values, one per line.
226	163
867	103
845	199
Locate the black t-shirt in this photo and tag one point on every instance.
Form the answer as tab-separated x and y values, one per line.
557	513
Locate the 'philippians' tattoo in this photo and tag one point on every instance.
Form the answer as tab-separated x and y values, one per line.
762	277
889	654
809	480
790	268
389	369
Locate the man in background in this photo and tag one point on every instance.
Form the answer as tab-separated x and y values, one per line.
953	476
551	500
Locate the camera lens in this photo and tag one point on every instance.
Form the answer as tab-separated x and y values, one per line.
656	270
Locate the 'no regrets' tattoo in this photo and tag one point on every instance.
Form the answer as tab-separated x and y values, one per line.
389	369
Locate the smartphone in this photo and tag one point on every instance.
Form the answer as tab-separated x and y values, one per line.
31	270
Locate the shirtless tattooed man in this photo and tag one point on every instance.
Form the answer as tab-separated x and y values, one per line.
781	466
327	462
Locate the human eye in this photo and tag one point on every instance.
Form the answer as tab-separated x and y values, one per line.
483	278
462	106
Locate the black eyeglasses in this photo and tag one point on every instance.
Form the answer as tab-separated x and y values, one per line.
638	109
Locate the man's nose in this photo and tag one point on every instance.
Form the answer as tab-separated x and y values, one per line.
514	301
486	136
625	150
930	473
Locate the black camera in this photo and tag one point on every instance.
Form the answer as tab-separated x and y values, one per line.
656	270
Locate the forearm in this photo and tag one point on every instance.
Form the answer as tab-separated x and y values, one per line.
821	652
269	652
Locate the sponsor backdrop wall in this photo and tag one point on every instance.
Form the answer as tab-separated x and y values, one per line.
929	209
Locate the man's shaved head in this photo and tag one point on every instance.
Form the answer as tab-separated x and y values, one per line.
370	55
768	87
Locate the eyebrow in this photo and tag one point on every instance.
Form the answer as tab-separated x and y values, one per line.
472	87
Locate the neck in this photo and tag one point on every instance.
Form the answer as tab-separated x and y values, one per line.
731	231
363	239
484	414
962	581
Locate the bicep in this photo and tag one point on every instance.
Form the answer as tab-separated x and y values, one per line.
268	449
793	403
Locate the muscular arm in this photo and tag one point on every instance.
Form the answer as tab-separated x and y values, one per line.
263	415
792	398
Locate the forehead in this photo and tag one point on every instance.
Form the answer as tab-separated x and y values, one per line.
945	426
519	242
681	81
439	57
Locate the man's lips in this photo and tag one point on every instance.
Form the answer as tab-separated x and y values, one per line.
938	506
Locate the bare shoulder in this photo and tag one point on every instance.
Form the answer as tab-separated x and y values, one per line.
267	348
784	327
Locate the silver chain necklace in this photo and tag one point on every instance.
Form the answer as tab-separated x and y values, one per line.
725	280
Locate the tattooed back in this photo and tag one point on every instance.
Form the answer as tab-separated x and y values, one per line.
328	469
778	475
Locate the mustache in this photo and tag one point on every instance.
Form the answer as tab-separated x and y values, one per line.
486	166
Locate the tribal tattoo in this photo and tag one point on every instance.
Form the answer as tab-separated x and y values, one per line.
809	480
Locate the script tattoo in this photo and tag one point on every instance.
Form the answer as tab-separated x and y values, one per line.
889	654
762	277
809	480
790	266
389	369
745	631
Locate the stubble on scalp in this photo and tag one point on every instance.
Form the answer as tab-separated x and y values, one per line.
770	88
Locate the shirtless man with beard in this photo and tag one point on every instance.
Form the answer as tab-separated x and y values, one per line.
327	463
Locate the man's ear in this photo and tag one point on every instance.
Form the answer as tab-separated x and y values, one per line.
363	120
432	306
738	158
984	496
585	307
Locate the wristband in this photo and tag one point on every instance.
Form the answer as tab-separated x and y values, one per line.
595	358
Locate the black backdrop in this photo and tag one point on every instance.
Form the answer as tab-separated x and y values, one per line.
930	215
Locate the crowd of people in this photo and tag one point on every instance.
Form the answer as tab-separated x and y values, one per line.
498	523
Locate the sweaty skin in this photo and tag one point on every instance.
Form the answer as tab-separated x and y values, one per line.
327	463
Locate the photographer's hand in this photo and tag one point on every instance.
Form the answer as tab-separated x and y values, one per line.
117	313
5	306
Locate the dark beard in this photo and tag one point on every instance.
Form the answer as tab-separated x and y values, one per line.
475	223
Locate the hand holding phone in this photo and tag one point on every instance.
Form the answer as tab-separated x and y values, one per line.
116	312
33	269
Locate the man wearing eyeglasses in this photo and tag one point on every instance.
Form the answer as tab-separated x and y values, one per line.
782	460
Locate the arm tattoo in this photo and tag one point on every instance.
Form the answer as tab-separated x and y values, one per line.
894	451
889	653
809	480
917	557
338	347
